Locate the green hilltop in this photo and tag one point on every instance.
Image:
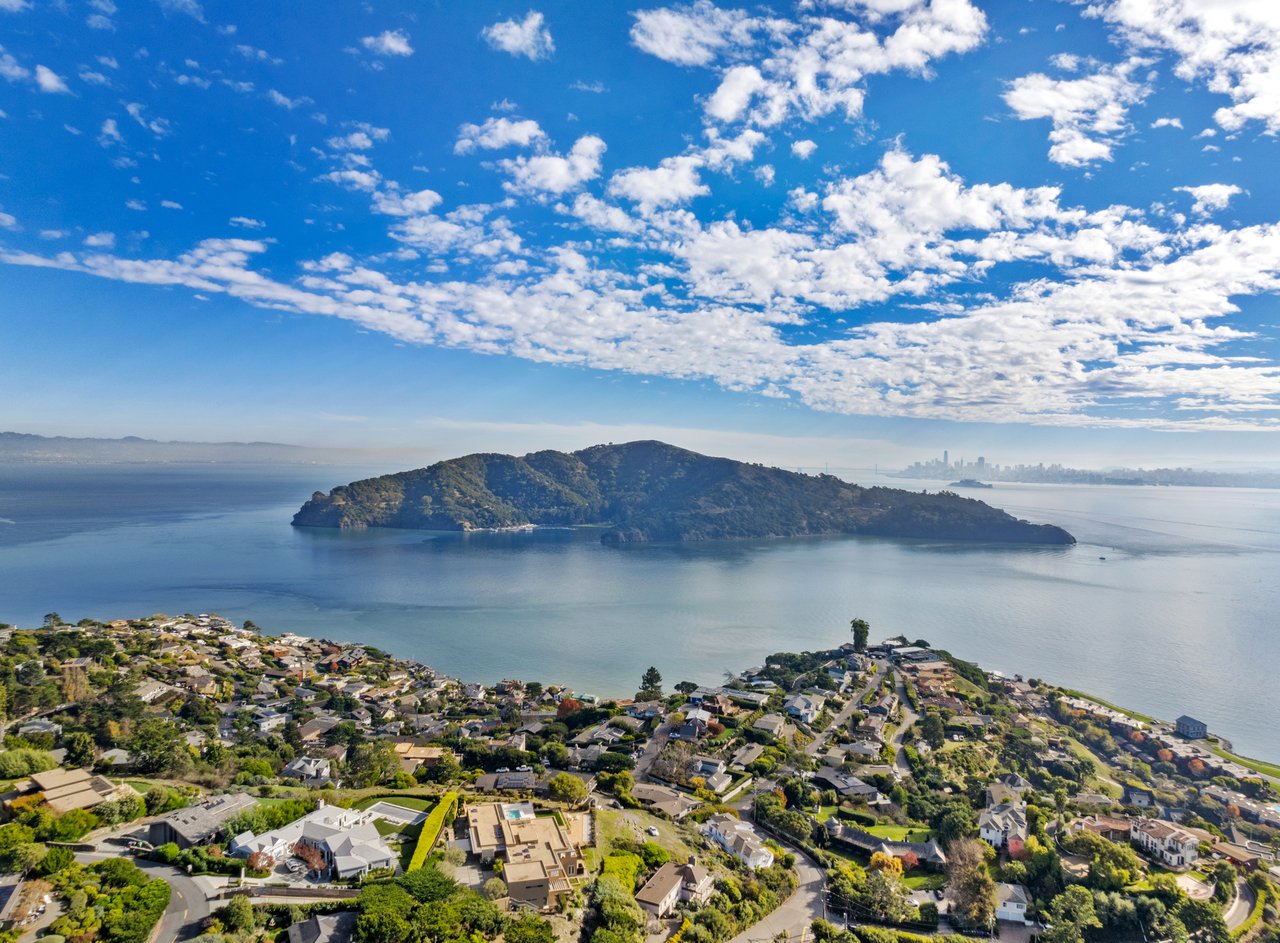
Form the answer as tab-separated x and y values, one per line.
653	491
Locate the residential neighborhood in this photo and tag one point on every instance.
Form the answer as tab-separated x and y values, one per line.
289	787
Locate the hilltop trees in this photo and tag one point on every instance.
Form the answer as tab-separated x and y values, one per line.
861	630
650	686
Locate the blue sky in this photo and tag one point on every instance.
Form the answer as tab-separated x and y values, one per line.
854	229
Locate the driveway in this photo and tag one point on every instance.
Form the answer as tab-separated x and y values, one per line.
899	737
651	751
1242	906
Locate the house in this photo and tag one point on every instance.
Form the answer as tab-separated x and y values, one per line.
199	824
1014	782
67	789
325	928
673	804
1011	903
347	839
705	766
1191	728
998	793
40	726
738	839
846	786
1004	826
1138	796
746	755
312	771
805	707
771	725
1165	842
673	883
539	852
1112	828
928	853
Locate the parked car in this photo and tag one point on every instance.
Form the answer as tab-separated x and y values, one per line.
652	830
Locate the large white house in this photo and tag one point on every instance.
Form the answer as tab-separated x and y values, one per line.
1004	826
805	707
347	838
1172	846
738	839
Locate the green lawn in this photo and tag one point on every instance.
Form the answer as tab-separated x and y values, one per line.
826	812
386	828
925	881
900	833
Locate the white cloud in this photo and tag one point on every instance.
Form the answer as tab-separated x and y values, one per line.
157	126
395	203
674	181
171	204
190	7
551	173
803	149
1088	114
497	133
1230	46
1210	196
284	101
136	205
355	141
693	35
49	81
101	240
1167	123
93	78
13	6
110	133
8	221
736	90
11	69
245	222
254	54
528	37
392	42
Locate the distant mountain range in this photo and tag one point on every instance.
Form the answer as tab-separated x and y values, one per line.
21	447
642	491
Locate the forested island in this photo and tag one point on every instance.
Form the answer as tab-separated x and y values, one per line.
641	491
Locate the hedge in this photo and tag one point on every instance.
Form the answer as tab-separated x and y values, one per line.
431	829
1260	901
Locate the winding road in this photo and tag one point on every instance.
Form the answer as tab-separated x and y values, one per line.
188	905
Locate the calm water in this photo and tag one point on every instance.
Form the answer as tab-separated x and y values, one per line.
1179	617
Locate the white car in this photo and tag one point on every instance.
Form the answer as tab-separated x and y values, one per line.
652	830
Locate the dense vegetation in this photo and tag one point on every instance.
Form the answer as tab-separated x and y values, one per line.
653	491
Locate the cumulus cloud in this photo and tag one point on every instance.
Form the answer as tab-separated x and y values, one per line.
1210	196
245	222
555	174
803	149
284	101
50	82
100	240
528	37
1167	123
674	181
1230	47
1088	114
497	133
392	42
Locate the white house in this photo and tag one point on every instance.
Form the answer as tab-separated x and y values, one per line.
805	707
738	839
347	838
673	883
1011	903
1167	843
1004	826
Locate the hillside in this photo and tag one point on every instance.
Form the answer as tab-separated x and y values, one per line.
653	491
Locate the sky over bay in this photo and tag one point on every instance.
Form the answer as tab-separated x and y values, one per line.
894	220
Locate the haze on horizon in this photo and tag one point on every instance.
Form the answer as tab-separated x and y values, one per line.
852	232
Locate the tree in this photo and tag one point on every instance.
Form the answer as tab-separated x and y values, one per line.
650	685
238	915
888	899
1070	914
310	854
52	619
970	887
686	687
880	861
494	889
567	788
861	630
932	729
80	749
28	856
568	706
158	746
372	763
530	929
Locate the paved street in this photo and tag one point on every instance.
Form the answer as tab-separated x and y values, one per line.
188	905
797	912
855	700
899	737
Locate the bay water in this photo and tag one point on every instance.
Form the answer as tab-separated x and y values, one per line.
1168	604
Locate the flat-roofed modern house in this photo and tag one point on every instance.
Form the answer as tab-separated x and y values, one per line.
199	824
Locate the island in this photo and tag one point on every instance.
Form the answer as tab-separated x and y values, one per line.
969	483
644	491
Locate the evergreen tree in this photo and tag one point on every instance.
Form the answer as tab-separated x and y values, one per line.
861	630
650	686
